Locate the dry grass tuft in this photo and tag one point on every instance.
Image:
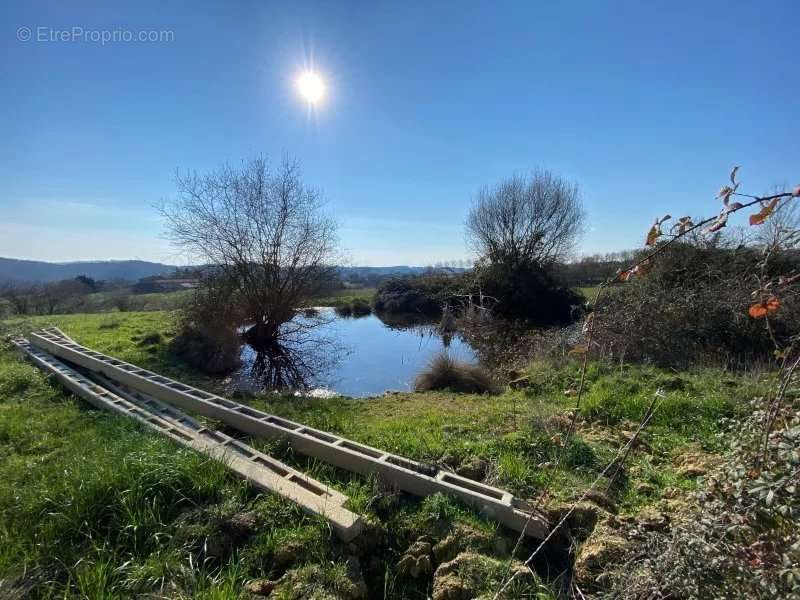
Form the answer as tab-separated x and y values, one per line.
445	373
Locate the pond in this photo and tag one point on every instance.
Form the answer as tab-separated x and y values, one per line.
363	356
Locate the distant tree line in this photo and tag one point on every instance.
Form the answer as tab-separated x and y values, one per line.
592	270
45	298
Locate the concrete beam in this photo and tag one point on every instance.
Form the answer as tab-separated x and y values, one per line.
257	468
408	475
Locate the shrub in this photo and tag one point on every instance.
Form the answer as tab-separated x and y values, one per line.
445	373
151	339
423	294
207	336
210	350
741	536
689	307
360	308
357	308
527	292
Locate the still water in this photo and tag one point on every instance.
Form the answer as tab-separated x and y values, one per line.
365	356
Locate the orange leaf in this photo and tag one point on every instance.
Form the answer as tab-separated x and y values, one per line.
652	235
761	309
773	304
682	225
764	213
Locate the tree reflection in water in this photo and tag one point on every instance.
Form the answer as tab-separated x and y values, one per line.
356	357
299	358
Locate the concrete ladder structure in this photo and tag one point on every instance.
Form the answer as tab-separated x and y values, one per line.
248	463
408	475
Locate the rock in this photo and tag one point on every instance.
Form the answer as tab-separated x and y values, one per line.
604	547
693	463
406	564
261	587
419	548
628	435
467	576
459	540
311	582
424	566
473	469
242	525
416	561
651	519
692	471
447	549
286	555
602	500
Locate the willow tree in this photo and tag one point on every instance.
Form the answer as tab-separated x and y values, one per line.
262	230
519	229
533	220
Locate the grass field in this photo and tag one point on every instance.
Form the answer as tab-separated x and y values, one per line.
344	296
94	507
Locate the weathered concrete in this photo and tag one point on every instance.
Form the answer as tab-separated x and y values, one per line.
408	475
257	468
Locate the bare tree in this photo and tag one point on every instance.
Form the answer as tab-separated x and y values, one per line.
264	231
526	220
17	295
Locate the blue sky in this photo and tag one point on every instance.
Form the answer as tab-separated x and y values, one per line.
646	105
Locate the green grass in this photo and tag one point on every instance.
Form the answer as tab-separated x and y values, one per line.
92	506
125	301
344	297
587	292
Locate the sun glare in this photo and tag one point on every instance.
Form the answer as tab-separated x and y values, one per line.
311	87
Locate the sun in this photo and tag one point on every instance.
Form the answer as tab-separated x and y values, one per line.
311	87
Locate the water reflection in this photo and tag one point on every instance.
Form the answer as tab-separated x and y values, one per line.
353	356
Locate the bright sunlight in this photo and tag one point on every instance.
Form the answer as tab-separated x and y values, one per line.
311	87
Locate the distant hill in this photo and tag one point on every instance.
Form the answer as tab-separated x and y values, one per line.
36	271
40	271
391	271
